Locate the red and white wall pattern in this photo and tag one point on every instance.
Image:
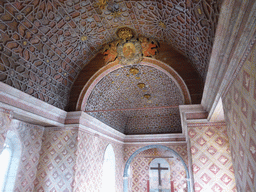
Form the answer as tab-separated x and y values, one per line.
140	165
211	159
90	156
240	113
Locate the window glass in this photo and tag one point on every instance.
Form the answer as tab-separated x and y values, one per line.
5	158
108	180
9	162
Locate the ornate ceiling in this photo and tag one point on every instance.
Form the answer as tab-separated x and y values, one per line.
44	44
145	102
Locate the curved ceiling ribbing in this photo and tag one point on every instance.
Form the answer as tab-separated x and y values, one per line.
44	44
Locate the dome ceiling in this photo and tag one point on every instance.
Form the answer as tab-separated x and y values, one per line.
137	100
44	44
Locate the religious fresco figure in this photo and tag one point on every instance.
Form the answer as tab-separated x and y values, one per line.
129	50
148	48
110	51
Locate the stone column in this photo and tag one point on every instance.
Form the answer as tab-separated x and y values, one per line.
5	121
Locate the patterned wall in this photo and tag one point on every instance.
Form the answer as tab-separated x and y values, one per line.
55	171
30	137
140	165
45	44
140	169
91	150
211	159
240	113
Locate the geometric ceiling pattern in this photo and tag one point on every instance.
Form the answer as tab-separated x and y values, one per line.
44	44
145	102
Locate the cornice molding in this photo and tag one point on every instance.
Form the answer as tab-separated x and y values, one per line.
234	36
30	109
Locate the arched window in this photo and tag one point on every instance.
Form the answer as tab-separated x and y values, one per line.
108	179
9	161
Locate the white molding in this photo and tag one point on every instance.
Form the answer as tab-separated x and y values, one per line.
30	109
28	117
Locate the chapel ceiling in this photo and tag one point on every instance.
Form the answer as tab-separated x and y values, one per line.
137	101
44	44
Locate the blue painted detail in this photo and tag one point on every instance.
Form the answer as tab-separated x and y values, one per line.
125	176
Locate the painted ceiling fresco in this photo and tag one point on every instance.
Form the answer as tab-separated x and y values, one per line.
44	44
145	102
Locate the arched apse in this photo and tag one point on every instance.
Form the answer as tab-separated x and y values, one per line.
127	165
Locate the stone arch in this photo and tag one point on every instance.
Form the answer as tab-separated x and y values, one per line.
127	164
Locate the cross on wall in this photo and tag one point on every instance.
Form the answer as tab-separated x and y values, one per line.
159	168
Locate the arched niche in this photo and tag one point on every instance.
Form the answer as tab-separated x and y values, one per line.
108	176
127	169
9	159
159	174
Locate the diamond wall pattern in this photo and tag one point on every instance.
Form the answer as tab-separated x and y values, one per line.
140	170
30	137
211	159
91	150
240	113
55	171
140	165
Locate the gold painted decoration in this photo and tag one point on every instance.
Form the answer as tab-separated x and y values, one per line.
102	3
83	38
134	71
162	24
147	96
141	85
129	50
125	33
